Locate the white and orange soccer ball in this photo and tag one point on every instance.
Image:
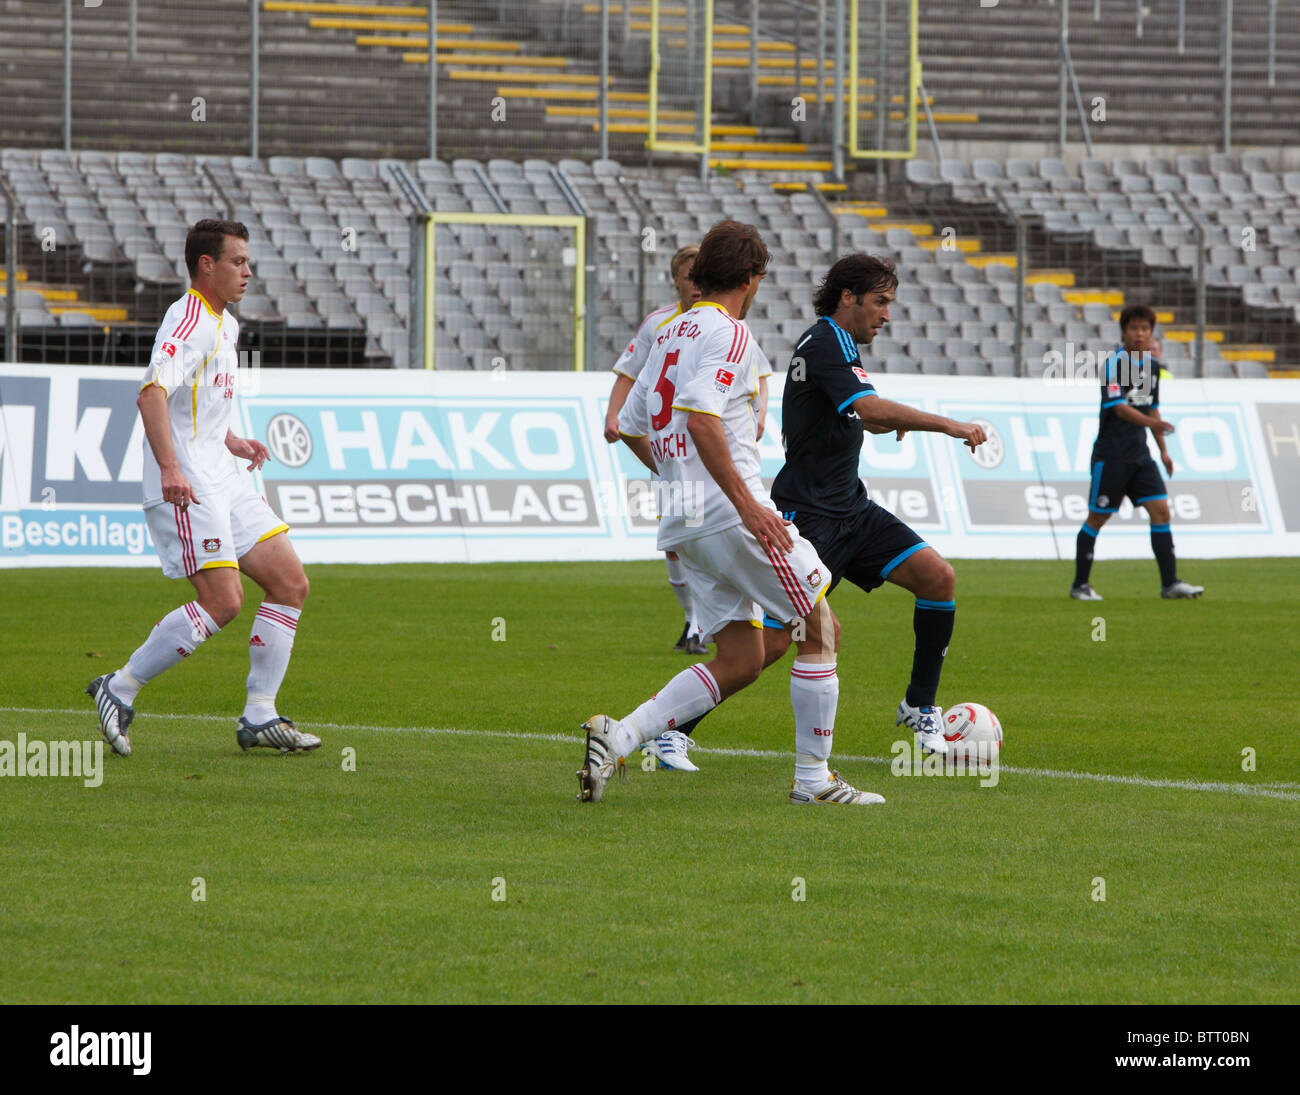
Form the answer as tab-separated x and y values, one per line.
972	732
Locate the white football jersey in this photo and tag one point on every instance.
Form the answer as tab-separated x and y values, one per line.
632	360
704	361
194	362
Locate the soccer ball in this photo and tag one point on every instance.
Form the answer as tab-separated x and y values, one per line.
972	732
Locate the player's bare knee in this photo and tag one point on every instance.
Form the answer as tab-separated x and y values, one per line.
224	605
1159	512
942	582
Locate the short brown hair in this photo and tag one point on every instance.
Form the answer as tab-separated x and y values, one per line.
684	255
730	254
1136	311
859	274
208	237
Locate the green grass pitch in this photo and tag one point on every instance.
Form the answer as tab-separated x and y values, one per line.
455	864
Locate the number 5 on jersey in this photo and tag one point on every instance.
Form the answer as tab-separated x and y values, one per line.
665	390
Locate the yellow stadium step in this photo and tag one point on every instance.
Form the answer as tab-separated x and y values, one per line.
801	187
514	77
735	164
1248	352
679	128
1188	334
484	45
564	94
497	60
393	25
734	130
638	112
743	43
871	213
1063	278
49	292
635	9
305	7
775	148
1093	296
104	313
19	275
917	228
982	261
965	244
1284	374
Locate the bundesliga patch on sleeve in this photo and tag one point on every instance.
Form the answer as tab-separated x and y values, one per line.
722	381
631	348
1112	390
861	374
168	348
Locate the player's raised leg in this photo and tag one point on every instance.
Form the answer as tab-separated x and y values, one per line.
274	565
814	695
929	577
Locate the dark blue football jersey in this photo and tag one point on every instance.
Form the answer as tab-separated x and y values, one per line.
821	433
1133	379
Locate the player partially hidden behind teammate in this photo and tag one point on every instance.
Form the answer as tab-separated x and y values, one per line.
1121	461
626	369
691	418
207	520
829	401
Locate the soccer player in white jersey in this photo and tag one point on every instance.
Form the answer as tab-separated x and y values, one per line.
207	521
626	370
694	409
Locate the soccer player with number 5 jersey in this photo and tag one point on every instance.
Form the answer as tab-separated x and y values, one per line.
691	418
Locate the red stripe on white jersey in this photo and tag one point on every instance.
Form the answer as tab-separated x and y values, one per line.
738	353
735	334
709	683
189	320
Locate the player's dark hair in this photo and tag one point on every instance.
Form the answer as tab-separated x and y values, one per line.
682	257
208	237
1136	311
730	254
859	274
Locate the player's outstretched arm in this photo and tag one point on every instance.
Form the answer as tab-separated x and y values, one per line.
1151	421
617	397
711	443
874	411
152	402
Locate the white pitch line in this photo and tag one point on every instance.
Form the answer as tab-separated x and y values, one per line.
1279	790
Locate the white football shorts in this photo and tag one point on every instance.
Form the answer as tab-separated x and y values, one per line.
728	571
226	524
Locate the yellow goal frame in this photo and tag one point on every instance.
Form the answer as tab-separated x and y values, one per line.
526	220
653	141
913	85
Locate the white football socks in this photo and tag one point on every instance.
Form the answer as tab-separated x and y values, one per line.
176	637
269	648
689	694
814	695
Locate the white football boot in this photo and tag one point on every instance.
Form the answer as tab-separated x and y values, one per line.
279	733
927	724
599	764
1084	592
670	747
1178	590
114	715
836	791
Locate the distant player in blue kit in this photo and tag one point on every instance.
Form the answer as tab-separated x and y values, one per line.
829	403
1121	461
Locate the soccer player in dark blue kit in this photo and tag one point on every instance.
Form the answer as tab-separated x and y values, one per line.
1121	461
829	402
